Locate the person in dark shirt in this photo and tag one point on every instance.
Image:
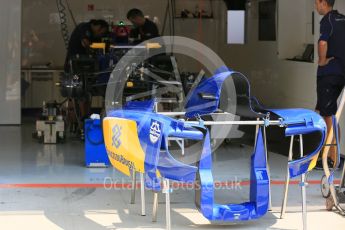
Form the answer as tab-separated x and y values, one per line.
144	28
331	64
83	36
81	39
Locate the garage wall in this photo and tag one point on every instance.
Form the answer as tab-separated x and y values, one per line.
340	5
10	19
277	83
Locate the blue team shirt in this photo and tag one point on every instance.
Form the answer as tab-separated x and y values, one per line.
82	31
332	30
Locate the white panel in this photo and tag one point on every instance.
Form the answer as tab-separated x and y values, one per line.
340	6
236	27
10	41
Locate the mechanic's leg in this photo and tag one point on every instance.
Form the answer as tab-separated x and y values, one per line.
329	89
85	108
335	90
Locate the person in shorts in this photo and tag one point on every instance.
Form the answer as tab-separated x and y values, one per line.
331	63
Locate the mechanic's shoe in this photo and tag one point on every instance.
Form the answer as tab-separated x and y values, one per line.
329	203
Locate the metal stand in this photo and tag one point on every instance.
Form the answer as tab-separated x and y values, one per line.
303	185
166	190
134	185
342	181
155	207
268	170
142	193
257	126
287	181
179	141
181	144
303	189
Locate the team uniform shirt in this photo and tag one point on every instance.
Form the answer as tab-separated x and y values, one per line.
75	46
148	31
331	77
82	31
332	30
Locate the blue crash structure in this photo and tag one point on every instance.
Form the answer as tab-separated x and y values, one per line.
153	131
95	152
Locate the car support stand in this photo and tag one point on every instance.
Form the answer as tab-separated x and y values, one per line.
303	185
336	194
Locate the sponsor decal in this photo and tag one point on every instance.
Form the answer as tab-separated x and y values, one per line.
116	136
121	159
155	131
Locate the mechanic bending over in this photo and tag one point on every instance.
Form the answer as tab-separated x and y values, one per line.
144	29
81	39
331	64
83	36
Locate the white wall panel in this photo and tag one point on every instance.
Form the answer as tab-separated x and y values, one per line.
10	57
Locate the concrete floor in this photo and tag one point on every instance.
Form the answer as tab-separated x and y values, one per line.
47	187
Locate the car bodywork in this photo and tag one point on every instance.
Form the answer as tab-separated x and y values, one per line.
136	139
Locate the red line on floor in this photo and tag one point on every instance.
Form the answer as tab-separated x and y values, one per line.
129	185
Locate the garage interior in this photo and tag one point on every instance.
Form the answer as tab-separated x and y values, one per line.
50	183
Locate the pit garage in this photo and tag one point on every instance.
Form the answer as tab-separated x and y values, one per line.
172	114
